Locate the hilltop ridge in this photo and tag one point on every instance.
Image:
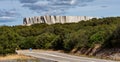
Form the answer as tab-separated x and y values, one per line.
54	19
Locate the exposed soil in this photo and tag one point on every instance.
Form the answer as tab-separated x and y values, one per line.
112	53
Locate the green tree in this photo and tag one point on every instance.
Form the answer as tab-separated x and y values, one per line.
44	40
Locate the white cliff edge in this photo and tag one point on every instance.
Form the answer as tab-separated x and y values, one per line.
54	19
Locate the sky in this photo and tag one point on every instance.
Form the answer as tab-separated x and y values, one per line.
12	12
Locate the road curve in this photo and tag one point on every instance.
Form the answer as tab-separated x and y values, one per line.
59	57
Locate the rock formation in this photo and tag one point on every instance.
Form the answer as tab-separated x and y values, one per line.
54	19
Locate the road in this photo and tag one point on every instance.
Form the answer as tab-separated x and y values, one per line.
51	56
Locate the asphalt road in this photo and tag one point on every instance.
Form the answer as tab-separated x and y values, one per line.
51	56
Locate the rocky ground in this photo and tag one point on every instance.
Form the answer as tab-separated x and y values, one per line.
113	54
98	52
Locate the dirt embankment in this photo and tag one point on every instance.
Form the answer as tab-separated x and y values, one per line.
106	53
113	53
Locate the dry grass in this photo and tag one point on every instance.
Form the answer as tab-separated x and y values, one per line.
14	56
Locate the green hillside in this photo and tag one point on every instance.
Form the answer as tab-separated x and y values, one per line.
104	32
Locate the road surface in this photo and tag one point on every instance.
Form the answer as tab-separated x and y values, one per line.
51	56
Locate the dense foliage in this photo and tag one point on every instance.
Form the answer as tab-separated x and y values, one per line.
69	36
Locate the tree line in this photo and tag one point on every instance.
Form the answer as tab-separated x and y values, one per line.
68	36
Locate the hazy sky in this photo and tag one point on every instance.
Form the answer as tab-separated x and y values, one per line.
12	12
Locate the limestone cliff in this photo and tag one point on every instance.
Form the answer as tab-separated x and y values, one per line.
54	19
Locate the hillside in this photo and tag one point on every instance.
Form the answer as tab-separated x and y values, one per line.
85	37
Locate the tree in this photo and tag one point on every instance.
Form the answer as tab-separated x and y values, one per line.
44	40
9	40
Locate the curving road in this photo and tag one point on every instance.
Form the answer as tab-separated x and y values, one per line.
51	56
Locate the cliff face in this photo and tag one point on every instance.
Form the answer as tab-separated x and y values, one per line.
54	19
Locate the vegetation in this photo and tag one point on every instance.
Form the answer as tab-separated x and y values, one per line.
69	36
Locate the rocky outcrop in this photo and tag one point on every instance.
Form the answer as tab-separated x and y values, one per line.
54	19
